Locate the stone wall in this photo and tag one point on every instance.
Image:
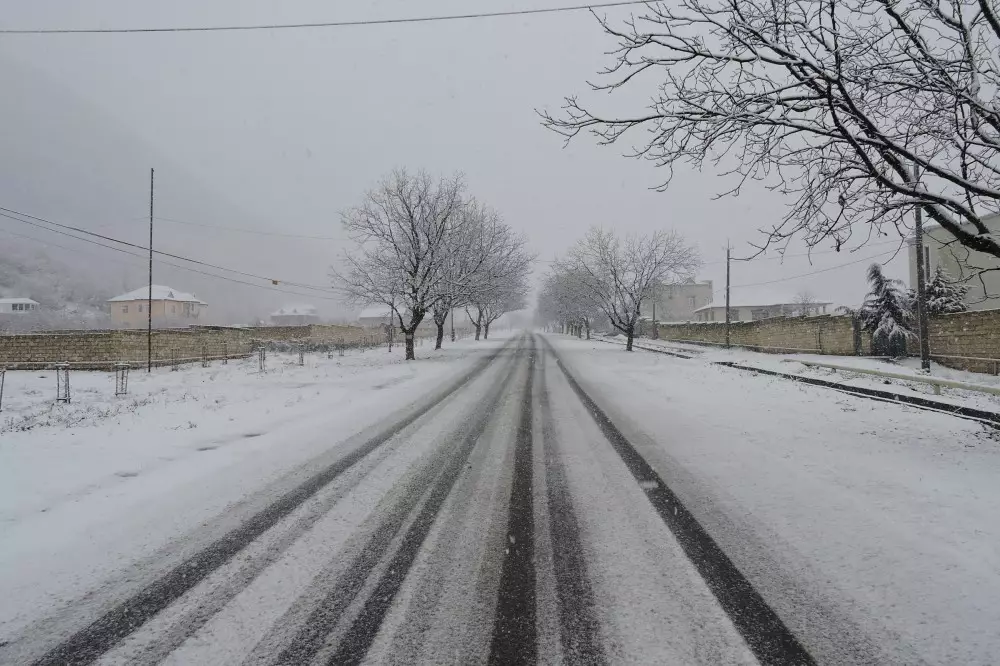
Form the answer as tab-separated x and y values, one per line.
825	334
967	340
102	349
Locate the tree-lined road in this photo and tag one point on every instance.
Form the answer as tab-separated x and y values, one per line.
517	516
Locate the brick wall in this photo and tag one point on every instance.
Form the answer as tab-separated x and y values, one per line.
101	349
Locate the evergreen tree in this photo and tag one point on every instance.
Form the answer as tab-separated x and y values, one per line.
887	313
944	296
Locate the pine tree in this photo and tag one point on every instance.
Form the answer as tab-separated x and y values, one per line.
944	296
887	313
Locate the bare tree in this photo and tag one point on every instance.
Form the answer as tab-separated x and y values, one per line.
496	282
619	274
804	303
565	299
833	102
401	231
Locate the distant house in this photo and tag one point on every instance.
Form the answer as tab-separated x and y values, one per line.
17	306
755	312
381	315
677	301
977	270
170	308
295	315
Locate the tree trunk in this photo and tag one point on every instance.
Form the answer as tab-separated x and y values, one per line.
588	330
579	331
478	330
409	346
440	335
630	334
486	331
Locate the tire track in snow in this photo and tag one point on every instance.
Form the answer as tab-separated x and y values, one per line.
514	633
91	642
418	508
763	630
579	629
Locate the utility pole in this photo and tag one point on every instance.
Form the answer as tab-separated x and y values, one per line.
728	251
149	295
922	320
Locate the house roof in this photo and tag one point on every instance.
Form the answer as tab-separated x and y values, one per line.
9	301
295	309
375	312
160	293
722	306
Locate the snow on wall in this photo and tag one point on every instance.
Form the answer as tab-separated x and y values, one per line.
99	349
825	334
965	340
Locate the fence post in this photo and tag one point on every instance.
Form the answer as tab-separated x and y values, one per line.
261	356
62	383
302	354
204	356
225	353
121	379
3	371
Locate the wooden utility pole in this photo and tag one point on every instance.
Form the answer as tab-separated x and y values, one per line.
149	295
728	258
922	319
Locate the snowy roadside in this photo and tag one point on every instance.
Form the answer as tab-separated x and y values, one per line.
790	364
111	480
869	527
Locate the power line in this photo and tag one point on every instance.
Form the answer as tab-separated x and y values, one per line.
321	24
245	231
146	249
802	275
160	261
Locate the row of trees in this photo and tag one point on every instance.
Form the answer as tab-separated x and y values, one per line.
423	248
889	310
857	110
607	277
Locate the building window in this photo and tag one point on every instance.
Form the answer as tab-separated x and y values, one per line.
140	308
691	301
124	309
173	308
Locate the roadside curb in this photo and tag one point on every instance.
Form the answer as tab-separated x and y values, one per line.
970	413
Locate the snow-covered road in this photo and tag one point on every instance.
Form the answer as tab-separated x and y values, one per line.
536	500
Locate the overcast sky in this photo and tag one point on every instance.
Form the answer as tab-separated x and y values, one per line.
280	130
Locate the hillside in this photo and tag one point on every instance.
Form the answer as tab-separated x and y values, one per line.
68	299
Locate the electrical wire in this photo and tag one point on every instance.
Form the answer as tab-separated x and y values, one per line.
146	249
159	261
243	231
321	24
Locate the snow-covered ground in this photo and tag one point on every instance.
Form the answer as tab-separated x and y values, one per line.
111	480
790	364
869	527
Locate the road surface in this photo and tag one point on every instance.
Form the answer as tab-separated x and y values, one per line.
518	515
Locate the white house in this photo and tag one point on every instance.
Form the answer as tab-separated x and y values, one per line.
677	301
378	316
977	270
171	307
746	311
299	314
17	306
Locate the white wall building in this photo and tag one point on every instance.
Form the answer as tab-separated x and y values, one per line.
18	306
962	264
